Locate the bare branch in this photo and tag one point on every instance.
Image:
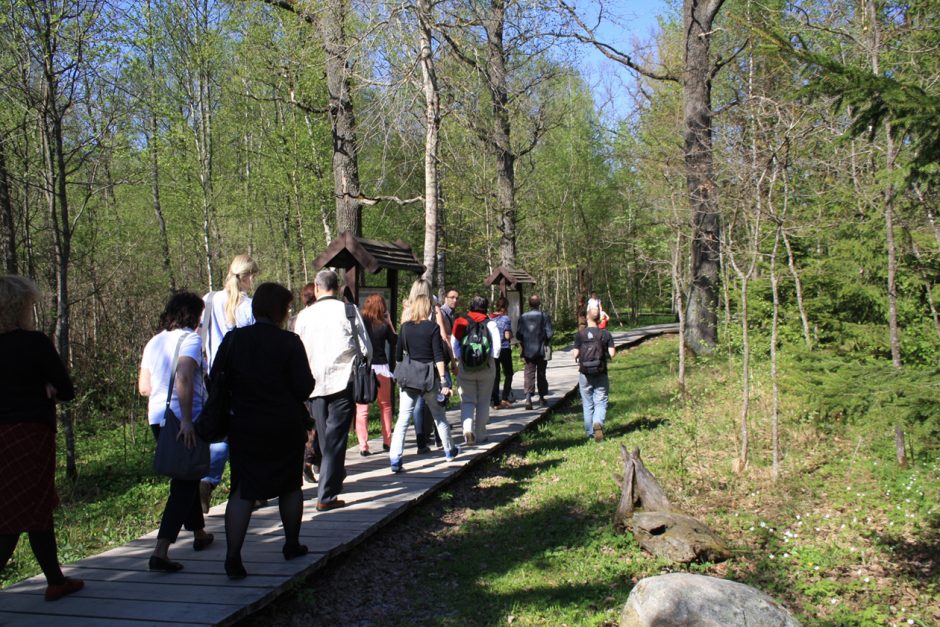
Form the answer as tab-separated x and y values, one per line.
374	200
588	37
720	63
291	5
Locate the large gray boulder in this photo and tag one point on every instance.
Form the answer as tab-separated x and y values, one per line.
700	601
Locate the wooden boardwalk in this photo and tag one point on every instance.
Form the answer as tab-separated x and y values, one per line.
119	590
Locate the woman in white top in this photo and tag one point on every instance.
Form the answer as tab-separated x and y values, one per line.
227	309
230	307
177	324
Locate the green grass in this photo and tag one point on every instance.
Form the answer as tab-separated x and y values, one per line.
845	537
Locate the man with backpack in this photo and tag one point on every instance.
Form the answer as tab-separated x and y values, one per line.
534	331
476	345
593	347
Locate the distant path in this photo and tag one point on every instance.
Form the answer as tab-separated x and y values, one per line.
119	590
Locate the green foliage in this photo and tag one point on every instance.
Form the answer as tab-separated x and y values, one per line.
838	390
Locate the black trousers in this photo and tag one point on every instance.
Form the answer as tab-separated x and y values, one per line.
182	507
504	366
333	415
535	377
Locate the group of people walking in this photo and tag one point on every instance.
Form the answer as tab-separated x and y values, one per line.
291	397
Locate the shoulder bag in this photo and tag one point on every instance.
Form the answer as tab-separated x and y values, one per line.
216	417
413	375
173	458
365	385
546	342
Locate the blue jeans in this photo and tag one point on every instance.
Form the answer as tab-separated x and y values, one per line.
218	455
407	401
593	399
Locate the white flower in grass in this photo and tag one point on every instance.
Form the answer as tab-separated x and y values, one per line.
867	579
833	600
771	556
785	555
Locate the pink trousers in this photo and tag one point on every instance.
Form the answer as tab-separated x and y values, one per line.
385	406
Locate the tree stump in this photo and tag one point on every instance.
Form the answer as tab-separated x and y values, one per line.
658	529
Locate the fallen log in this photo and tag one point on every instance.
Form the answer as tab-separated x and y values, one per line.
658	529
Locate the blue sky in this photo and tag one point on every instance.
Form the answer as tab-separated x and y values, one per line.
636	22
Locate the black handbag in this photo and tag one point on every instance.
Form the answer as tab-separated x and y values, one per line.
216	417
173	458
365	384
413	375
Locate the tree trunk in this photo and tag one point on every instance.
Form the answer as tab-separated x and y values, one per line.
7	224
701	312
332	23
775	384
874	33
798	284
57	202
154	155
432	208
500	140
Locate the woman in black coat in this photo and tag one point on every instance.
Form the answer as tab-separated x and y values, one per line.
32	379
265	368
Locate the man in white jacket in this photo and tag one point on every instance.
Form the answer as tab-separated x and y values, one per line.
332	344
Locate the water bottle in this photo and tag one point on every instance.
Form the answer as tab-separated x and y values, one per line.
443	399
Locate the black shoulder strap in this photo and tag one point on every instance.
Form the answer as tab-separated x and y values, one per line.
351	314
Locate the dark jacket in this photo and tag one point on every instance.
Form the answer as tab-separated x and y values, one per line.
269	375
28	361
534	330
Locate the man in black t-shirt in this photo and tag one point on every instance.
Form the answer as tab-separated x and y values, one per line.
593	347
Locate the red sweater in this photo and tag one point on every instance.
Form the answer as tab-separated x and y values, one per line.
461	324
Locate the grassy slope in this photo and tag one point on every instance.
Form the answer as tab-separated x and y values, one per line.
844	538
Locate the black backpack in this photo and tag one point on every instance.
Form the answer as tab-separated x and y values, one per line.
476	346
592	356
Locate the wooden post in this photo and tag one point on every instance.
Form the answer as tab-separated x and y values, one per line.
351	292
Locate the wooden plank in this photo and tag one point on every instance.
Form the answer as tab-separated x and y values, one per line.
123	590
84	607
40	620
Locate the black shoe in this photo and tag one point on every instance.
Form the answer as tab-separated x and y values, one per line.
386	448
308	474
164	565
365	453
528	403
424	449
543	403
201	543
294	549
235	569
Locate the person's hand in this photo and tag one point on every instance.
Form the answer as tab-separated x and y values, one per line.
51	392
446	391
187	434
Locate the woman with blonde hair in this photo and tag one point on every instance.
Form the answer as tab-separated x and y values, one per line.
227	309
32	380
423	419
421	338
